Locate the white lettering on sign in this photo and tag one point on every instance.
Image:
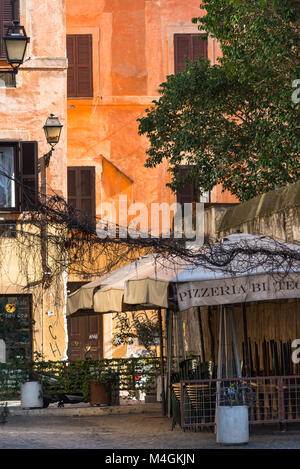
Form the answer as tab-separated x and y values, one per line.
93	336
238	290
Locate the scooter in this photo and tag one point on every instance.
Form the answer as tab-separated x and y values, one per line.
62	397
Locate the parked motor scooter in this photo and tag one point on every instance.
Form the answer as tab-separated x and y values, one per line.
61	397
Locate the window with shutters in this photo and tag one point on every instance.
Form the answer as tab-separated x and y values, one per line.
18	176
81	189
80	66
189	191
188	46
9	11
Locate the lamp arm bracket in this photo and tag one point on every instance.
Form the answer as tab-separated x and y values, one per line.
47	157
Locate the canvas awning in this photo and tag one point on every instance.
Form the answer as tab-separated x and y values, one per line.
142	284
265	280
145	283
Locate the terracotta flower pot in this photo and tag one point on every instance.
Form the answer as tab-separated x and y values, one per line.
99	394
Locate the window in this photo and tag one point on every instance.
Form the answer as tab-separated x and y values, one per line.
8	80
9	11
81	189
8	177
8	229
188	46
189	191
18	175
16	317
80	74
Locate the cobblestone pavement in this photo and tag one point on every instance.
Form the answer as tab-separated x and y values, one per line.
131	431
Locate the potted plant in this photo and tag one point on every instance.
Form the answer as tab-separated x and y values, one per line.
232	414
102	388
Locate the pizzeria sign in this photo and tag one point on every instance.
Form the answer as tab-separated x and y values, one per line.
238	290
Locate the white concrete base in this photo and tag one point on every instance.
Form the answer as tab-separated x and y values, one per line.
232	425
31	395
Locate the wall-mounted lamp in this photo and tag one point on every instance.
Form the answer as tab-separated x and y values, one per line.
52	129
15	42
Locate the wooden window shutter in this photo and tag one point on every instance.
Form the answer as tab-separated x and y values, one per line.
188	46
199	47
80	69
182	51
9	11
72	193
71	52
188	192
84	65
81	189
28	164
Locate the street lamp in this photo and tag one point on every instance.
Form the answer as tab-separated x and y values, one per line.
52	129
15	42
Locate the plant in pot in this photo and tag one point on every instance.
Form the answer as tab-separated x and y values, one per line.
232	414
101	387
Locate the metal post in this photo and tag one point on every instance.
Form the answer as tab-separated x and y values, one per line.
169	357
43	240
181	335
225	327
162	365
245	327
235	344
220	359
281	416
201	335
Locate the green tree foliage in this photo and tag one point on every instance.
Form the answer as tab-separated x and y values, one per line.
235	121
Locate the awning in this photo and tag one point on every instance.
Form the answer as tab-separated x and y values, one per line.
238	290
266	280
142	284
145	283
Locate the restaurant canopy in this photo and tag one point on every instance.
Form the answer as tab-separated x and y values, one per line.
260	269
142	284
257	271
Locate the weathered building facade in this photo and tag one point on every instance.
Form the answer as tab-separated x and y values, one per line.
97	65
119	52
26	101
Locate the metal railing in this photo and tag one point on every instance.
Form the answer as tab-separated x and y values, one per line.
270	399
125	374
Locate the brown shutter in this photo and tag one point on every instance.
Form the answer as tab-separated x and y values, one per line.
199	47
80	75
81	189
9	11
84	65
182	49
29	175
72	183
71	53
188	192
188	46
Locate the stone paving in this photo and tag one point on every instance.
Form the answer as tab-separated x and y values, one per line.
135	430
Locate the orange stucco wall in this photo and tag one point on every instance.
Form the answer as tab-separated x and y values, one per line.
133	53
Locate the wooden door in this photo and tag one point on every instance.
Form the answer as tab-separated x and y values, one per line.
85	331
